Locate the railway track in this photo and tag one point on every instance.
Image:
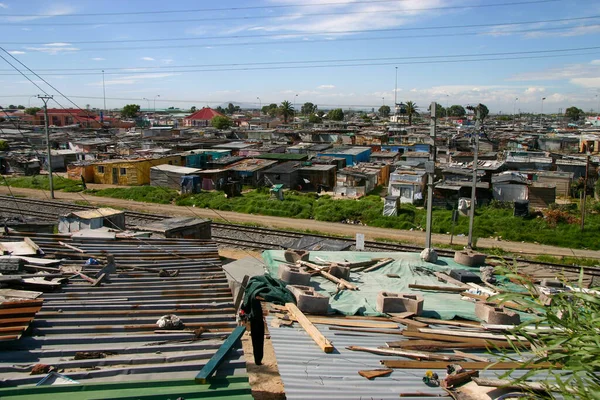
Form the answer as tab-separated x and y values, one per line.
257	238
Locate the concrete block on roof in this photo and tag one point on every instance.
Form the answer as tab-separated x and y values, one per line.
552	283
496	315
293	275
309	301
294	256
388	302
469	258
340	272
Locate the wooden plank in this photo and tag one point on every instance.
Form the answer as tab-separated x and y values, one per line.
68	246
15	321
422	394
21	294
507	304
352	323
308	326
458	379
380	264
476	335
33	245
464	324
412	364
433	345
409	322
418	355
470	356
459	339
362	330
406	314
448	279
327	275
375	373
437	288
529	386
211	366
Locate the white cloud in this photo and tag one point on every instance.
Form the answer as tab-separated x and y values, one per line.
57	44
167	61
532	90
566	72
98	59
147	58
49	12
132	79
15	52
326	87
53	50
2	5
587	82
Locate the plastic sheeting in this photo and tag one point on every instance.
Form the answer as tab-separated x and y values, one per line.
409	267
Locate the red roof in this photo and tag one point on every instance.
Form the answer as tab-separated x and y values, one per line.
205	114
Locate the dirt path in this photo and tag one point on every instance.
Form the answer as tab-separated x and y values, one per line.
371	233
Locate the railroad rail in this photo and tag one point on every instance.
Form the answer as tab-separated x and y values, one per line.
236	235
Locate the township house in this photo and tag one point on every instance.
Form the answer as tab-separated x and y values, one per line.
124	172
201	118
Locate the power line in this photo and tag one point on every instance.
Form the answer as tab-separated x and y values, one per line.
344	32
284	63
244	8
255	17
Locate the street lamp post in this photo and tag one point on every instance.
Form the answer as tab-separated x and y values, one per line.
295	97
598	109
148	100
396	92
514	110
158	95
260	105
543	98
103	93
29	100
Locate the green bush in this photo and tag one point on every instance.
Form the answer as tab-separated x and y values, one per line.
147	194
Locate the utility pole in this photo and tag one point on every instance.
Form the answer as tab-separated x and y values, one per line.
429	254
474	188
104	96
396	95
583	198
49	154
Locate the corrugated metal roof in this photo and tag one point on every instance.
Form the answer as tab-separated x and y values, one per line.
307	372
119	317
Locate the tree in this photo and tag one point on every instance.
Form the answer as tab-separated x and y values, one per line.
20	107
230	108
483	111
32	110
411	109
3	145
314	119
12	107
384	111
336	115
193	109
456	111
286	110
308	108
440	111
574	113
320	113
130	111
221	110
220	122
270	110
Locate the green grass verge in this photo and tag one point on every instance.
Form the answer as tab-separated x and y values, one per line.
42	182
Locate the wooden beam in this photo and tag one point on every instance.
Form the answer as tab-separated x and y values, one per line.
327	275
409	322
211	366
459	339
362	330
405	314
380	264
68	246
508	384
352	323
452	289
308	326
459	379
411	364
476	335
435	345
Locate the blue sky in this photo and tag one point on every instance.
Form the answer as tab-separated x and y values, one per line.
342	54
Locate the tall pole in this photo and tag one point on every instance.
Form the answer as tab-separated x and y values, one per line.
295	97
598	109
396	92
543	98
148	100
515	110
260	106
158	95
103	93
49	153
474	188
429	254
583	198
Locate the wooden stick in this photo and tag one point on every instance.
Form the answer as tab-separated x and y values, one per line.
406	314
411	364
464	324
477	335
211	366
408	354
375	373
459	339
352	323
380	264
471	356
437	288
458	379
507	384
68	246
327	275
448	279
361	330
409	322
308	326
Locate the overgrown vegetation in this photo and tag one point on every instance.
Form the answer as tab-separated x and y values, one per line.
565	334
148	194
42	182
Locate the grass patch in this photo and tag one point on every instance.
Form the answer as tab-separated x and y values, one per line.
147	194
41	182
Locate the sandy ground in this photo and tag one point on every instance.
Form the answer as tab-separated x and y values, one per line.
371	233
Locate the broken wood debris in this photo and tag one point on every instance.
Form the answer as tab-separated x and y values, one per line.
412	364
451	289
380	264
321	270
418	355
375	373
459	379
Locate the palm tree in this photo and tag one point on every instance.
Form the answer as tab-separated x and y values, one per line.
411	108
286	110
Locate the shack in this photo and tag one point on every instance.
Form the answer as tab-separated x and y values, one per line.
170	175
251	171
180	227
129	172
318	176
91	219
285	174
